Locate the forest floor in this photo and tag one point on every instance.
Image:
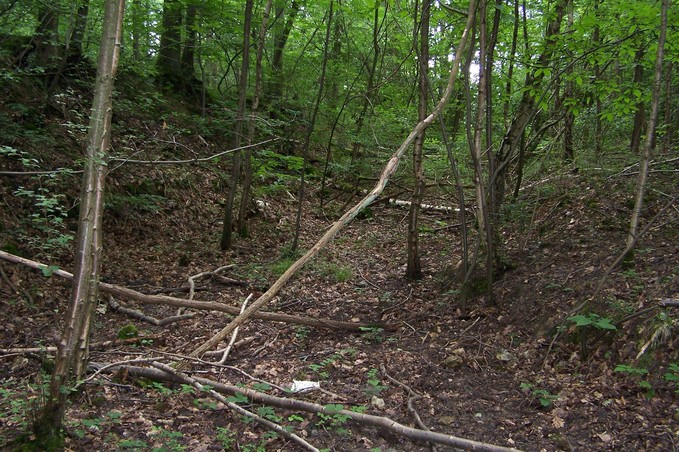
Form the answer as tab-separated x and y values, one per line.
487	371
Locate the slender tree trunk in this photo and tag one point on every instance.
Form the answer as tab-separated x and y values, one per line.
310	130
367	100
569	116
650	128
79	28
640	113
477	151
668	123
137	27
598	131
414	265
227	230
72	351
247	159
510	71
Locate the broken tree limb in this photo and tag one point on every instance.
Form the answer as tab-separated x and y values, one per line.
389	169
232	406
299	405
124	292
146	318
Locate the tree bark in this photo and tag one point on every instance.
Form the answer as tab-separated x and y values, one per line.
526	107
414	265
640	112
247	160
169	54
650	128
72	354
227	229
309	132
280	39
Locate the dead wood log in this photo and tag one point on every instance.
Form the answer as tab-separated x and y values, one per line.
124	292
300	405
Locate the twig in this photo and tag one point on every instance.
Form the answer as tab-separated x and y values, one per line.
17	290
121	364
227	350
194	160
232	406
412	397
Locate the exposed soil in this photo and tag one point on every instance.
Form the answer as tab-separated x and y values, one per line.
480	367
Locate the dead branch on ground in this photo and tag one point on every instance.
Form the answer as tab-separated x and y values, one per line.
124	292
232	406
385	423
146	318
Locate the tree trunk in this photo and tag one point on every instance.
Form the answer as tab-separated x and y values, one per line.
598	131
72	352
189	79
227	230
310	131
650	129
367	99
640	112
280	39
247	160
569	116
668	123
47	49
526	107
76	46
510	71
169	55
414	265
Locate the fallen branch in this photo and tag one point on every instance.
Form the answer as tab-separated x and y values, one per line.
124	292
388	171
385	423
147	318
232	406
228	348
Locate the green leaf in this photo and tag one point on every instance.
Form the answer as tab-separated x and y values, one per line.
604	324
581	320
48	270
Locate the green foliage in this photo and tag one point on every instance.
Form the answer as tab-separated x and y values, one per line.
637	373
226	437
169	439
594	320
337	272
128	331
374	387
335	419
372	333
672	376
544	397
